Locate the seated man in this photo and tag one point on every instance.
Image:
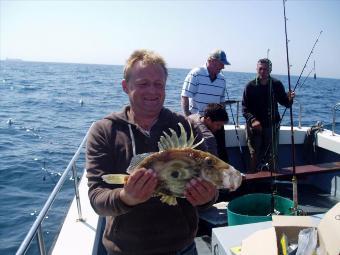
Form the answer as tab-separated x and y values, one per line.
212	121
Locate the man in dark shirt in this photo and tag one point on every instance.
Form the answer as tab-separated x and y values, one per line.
260	109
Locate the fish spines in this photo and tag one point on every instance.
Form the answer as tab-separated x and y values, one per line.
166	141
192	139
174	141
163	143
174	138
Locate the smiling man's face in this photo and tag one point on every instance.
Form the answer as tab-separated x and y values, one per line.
146	89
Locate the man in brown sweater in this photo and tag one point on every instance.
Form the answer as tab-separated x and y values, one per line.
137	222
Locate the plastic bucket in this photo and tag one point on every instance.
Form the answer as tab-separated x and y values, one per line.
256	207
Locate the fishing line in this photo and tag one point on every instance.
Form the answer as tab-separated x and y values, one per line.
304	81
297	83
48	173
284	112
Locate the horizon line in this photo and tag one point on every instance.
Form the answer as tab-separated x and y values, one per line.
184	68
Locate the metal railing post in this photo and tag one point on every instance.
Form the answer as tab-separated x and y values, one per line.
237	113
300	115
36	227
76	191
335	108
41	242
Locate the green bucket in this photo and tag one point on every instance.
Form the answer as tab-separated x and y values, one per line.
256	207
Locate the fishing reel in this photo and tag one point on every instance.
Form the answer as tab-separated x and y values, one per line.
263	166
297	211
317	127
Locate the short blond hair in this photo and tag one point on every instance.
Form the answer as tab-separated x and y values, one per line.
147	57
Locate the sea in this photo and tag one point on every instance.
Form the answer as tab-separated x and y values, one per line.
47	108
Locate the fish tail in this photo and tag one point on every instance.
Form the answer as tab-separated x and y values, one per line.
170	200
115	178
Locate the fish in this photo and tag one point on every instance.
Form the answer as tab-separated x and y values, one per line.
176	163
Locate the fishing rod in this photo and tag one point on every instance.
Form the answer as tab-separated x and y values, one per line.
304	81
284	112
296	85
294	179
273	147
310	53
237	136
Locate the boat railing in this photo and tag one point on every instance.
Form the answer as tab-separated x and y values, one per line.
233	101
36	229
300	113
237	102
335	108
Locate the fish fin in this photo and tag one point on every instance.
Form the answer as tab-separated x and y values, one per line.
160	146
173	141
115	178
136	160
192	139
174	138
165	142
183	137
170	200
195	145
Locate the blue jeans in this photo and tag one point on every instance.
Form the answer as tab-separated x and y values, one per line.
189	250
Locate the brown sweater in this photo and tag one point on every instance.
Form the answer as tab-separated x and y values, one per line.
148	228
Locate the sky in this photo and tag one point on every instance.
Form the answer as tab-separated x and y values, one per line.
183	32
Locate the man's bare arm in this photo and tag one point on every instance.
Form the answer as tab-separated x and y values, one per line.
185	106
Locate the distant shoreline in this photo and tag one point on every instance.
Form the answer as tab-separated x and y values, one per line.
13	59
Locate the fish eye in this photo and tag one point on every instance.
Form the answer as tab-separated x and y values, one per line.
178	174
208	161
175	174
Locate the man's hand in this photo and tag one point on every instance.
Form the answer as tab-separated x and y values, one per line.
139	187
256	125
200	192
185	106
291	95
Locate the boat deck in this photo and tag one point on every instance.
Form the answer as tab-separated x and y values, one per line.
299	170
86	234
310	199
